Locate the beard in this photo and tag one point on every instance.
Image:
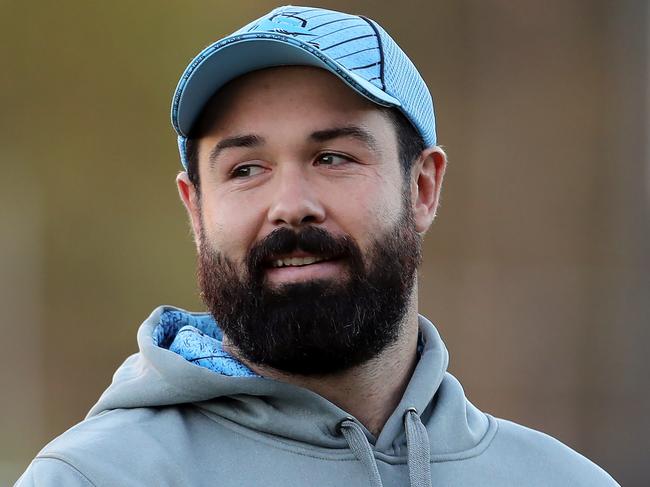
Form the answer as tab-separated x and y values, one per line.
317	327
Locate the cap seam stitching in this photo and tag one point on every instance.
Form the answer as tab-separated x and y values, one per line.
381	51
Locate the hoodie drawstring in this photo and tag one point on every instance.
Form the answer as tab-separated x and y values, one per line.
360	446
417	442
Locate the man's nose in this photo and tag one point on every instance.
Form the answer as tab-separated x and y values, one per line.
295	201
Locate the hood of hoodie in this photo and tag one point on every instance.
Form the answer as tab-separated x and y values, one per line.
168	370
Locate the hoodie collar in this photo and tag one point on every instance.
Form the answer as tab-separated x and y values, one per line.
158	376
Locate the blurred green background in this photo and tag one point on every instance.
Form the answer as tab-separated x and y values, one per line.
536	271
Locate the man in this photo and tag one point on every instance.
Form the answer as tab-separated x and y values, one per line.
311	175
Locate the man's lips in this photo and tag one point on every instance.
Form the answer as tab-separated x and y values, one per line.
298	259
302	267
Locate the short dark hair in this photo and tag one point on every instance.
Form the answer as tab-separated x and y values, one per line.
409	141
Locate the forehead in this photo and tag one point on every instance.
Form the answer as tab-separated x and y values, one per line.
307	96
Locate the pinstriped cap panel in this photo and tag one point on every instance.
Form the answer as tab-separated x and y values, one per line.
347	39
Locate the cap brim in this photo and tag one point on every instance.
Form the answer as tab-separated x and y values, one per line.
235	56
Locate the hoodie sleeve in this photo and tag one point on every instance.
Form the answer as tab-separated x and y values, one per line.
52	472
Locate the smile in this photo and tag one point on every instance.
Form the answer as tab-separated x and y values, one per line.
303	268
295	261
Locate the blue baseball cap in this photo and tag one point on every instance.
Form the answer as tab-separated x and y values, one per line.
352	47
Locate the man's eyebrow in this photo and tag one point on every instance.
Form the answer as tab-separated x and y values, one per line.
248	140
350	131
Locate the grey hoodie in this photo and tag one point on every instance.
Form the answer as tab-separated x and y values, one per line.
165	421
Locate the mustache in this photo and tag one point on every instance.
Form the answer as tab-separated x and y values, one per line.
310	239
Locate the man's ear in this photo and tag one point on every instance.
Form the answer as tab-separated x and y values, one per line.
426	183
190	198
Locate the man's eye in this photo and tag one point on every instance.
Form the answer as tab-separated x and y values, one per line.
246	171
332	159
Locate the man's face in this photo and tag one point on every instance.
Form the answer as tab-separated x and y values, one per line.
307	244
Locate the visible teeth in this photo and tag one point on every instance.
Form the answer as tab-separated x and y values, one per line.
295	261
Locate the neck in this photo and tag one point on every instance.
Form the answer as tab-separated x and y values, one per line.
371	391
